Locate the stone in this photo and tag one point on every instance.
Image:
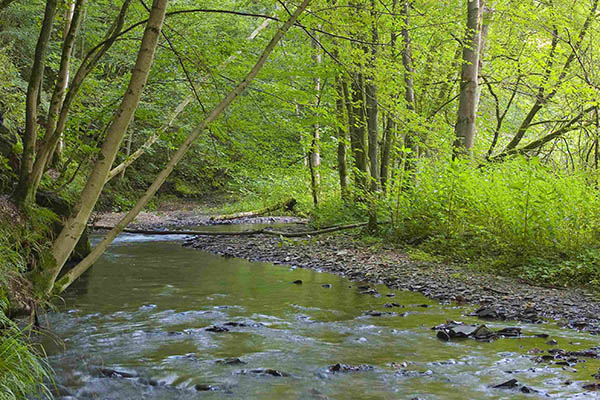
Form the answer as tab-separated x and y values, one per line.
349	368
217	329
510	384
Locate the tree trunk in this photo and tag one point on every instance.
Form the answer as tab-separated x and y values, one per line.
386	153
22	193
74	225
87	65
409	93
314	153
73	19
358	141
341	138
178	155
466	124
372	122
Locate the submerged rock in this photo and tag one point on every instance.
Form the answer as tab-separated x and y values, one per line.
459	330
200	387
113	373
217	329
264	371
231	361
349	368
510	384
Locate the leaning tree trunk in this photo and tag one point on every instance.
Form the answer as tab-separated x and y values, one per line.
90	61
22	193
74	225
83	266
466	124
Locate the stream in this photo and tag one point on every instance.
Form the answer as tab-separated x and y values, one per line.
135	327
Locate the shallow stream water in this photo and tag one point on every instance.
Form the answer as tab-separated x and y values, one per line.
145	306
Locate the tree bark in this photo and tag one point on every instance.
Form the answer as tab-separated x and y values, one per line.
31	106
409	92
466	124
87	65
358	141
73	18
342	137
314	153
86	263
74	225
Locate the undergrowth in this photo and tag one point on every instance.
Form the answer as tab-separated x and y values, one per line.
23	370
518	217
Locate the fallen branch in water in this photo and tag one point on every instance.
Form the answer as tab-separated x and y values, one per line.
252	232
288	204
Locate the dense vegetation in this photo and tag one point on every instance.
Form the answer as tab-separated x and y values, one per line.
465	130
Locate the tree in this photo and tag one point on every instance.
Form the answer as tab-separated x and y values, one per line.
466	124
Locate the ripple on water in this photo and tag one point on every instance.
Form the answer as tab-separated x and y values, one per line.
155	324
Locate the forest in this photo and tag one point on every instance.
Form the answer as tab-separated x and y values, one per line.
453	140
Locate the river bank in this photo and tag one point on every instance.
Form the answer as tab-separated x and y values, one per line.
492	296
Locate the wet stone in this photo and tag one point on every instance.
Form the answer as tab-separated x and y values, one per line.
264	371
217	329
231	361
510	384
349	368
113	373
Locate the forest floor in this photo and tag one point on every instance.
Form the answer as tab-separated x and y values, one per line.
494	297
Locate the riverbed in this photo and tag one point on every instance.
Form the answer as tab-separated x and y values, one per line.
155	320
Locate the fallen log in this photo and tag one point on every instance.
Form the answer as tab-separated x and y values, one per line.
288	204
251	232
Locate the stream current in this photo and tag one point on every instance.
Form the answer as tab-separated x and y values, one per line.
134	327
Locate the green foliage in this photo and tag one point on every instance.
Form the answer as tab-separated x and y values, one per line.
516	216
23	369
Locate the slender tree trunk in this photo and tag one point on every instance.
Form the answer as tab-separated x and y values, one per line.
372	122
75	224
31	105
73	18
314	153
409	92
178	155
386	153
389	132
342	137
87	65
466	124
358	141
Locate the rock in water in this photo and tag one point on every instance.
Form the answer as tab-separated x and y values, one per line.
217	329
349	368
297	282
511	384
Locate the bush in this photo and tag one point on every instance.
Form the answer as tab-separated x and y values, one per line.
518	216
